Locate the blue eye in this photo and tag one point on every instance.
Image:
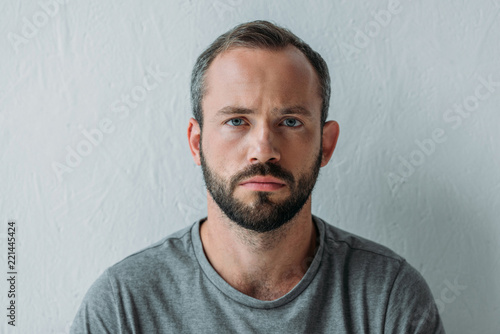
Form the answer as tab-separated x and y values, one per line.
235	121
292	122
289	122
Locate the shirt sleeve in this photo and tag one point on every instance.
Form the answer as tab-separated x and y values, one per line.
411	308
98	312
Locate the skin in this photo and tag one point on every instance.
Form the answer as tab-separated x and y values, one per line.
266	265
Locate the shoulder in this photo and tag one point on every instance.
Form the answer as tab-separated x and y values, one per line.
370	271
364	261
135	280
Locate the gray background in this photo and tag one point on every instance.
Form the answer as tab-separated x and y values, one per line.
410	171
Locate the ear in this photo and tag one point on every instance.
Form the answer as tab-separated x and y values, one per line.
194	136
330	135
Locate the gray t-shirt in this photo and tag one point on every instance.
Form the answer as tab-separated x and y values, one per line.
352	285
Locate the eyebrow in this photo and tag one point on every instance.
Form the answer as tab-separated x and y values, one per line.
292	110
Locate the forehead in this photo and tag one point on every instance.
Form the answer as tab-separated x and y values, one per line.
248	75
288	59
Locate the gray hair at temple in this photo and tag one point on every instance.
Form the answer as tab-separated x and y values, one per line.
263	35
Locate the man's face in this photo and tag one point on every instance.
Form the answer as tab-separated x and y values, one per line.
261	140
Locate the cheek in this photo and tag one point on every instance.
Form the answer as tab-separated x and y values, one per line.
301	150
222	155
303	156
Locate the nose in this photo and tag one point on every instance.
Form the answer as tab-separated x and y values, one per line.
263	145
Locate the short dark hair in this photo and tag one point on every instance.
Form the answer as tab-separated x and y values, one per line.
256	34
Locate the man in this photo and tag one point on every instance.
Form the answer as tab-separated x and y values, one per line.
260	262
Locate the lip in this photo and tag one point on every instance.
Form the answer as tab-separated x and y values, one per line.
263	179
263	183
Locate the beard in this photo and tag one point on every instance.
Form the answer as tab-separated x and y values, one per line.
262	215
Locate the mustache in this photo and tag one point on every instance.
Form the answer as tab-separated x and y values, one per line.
263	169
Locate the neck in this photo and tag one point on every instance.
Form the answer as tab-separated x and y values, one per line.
262	265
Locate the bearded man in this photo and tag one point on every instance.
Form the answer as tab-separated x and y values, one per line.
260	261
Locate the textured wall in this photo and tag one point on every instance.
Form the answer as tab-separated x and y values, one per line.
416	90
